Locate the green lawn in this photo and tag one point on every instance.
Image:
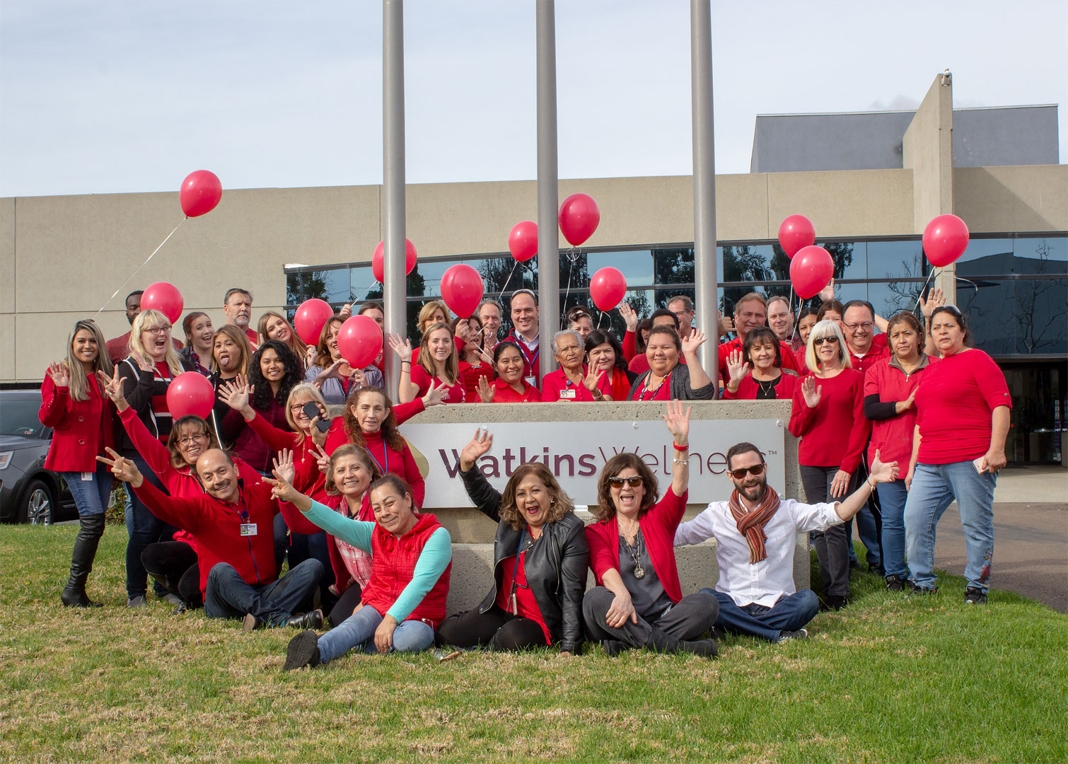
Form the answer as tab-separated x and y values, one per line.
889	679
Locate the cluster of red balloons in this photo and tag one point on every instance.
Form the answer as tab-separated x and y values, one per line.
378	263
811	267
944	240
607	288
200	193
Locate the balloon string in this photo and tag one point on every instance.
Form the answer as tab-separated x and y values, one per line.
572	257
139	268
919	297
504	288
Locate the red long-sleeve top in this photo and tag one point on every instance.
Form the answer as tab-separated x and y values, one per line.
247	444
80	429
789	360
834	433
749	387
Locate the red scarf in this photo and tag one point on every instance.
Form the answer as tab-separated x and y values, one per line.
751	524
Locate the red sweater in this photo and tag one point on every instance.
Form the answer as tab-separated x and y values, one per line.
877	352
394	560
955	403
80	429
789	360
749	387
886	383
401	463
308	479
556	382
618	387
835	432
470	375
630	345
658	529
247	444
216	529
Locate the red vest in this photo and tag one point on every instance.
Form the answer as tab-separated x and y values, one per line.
393	567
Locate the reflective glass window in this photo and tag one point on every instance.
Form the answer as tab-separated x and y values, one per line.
986	257
635	265
1040	255
1041	319
674	266
895	259
991	311
890	297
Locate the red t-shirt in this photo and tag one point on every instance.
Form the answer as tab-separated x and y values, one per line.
954	406
555	386
470	375
421	378
834	433
505	394
514	575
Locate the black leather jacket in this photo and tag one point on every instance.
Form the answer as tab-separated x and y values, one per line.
555	566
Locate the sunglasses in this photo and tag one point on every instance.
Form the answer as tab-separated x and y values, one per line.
633	482
756	469
817	341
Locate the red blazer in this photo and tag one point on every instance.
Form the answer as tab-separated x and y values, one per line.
658	529
81	429
748	387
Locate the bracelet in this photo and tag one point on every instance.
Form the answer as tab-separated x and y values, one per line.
406	362
682	461
871	485
683	447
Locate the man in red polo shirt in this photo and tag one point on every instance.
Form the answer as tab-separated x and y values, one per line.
750	312
864	345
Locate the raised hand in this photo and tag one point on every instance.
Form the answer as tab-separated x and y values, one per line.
475	449
677	420
112	388
737	367
593	379
827	293
724	324
936	298
143	363
695	340
435	395
345	312
629	316
883	472
322	459
485	390
402	347
122	468
283	466
811	392
59	373
236	392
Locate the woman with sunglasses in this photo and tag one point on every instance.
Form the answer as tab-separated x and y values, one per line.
74	406
828	416
756	372
540	556
638	599
962	420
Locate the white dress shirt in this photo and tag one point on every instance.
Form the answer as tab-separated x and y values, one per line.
766	581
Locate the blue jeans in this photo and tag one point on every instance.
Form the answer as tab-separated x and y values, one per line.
358	631
892	497
790	613
143	528
228	596
934	486
90	496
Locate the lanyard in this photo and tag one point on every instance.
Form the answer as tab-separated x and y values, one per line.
385	457
644	390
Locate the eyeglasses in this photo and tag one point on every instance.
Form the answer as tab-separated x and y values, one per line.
633	482
158	330
756	469
189	439
817	341
863	325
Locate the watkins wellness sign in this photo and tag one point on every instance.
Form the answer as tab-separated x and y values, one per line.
576	451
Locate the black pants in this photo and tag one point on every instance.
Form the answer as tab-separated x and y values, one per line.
173	565
689	619
496	629
346	603
832	545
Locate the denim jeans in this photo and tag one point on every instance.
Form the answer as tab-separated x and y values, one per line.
143	528
934	487
790	613
228	596
892	497
90	496
358	631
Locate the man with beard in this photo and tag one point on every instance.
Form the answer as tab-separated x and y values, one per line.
757	534
237	305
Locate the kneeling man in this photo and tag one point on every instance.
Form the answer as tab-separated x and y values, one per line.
756	534
232	526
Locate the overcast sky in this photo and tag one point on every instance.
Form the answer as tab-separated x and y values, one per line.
123	96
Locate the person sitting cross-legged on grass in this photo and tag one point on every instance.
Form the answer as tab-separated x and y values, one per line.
756	535
411	563
231	526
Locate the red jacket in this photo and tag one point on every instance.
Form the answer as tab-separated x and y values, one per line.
81	429
834	433
789	360
658	529
216	528
748	387
885	384
394	562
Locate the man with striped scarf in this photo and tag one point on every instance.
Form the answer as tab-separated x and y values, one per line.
757	534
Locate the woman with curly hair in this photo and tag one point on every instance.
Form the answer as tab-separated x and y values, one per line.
638	599
540	556
273	373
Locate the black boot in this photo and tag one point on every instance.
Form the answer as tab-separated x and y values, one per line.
665	643
88	539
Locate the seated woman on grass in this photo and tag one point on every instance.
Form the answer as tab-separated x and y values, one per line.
404	599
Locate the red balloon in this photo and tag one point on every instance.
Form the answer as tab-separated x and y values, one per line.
462	289
795	233
165	298
200	193
188	394
607	288
523	240
579	217
378	262
359	341
811	270
944	240
310	319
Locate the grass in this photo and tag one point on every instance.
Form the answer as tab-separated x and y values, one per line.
889	679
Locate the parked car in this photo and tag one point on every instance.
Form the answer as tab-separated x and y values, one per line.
28	492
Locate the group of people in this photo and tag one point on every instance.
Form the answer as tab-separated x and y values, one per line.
216	506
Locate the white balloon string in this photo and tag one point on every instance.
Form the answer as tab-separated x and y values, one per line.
128	280
504	287
919	297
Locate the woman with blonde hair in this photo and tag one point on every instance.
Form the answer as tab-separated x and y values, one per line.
74	405
274	326
146	374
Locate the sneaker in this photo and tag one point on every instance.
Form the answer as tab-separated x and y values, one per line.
138	601
833	602
613	647
303	651
974	596
172	598
786	636
913	588
895	583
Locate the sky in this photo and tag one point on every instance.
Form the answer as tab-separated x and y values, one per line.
120	96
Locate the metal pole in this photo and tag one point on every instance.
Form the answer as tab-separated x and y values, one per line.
548	195
704	182
394	289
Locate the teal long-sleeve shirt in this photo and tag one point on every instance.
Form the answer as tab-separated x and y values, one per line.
435	557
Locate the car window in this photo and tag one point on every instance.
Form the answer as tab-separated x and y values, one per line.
18	415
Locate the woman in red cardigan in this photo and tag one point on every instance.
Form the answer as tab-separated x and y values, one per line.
80	415
756	370
638	600
828	416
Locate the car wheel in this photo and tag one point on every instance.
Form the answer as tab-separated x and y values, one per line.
37	504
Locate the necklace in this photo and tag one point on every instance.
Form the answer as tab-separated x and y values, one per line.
766	388
635	552
652	393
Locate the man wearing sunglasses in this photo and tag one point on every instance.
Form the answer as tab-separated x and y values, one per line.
757	534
